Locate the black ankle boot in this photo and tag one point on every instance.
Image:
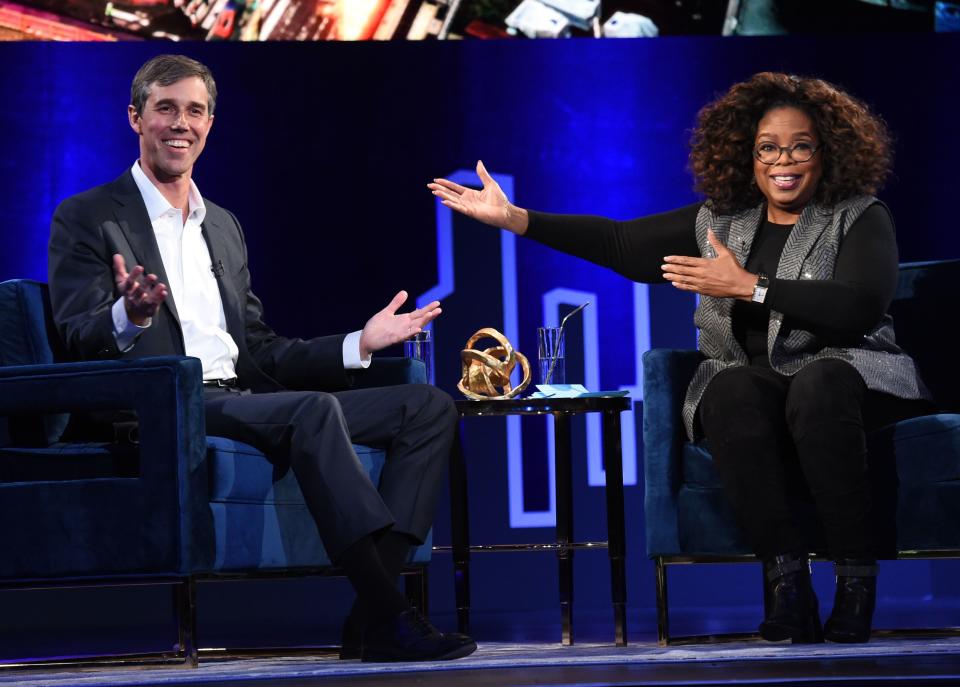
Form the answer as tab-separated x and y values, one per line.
853	605
792	609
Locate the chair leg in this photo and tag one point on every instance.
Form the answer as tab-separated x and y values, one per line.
417	588
185	611
425	589
663	608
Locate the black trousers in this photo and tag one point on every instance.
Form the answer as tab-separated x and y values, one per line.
779	441
313	433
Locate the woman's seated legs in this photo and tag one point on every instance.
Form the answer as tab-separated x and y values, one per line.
742	416
824	414
830	411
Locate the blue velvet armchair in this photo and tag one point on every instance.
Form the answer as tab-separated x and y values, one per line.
688	519
170	506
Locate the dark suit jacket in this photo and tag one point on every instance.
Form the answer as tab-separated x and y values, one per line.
89	228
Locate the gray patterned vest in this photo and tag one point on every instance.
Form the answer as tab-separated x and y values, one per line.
810	253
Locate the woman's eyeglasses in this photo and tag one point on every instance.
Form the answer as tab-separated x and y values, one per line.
769	153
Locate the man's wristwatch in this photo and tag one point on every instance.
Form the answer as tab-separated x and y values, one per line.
760	290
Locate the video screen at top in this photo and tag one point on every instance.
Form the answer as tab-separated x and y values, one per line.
350	20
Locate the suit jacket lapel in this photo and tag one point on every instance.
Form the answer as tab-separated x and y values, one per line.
228	255
813	221
132	217
743	230
220	254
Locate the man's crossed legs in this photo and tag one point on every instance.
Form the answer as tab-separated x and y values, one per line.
366	530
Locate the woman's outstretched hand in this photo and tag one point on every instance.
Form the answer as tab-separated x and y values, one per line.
489	205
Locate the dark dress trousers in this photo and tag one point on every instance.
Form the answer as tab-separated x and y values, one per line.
302	409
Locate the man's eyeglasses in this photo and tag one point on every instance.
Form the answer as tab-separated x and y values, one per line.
769	153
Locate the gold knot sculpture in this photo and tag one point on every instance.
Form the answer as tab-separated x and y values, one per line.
486	373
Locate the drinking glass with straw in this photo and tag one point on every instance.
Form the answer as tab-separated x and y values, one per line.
550	347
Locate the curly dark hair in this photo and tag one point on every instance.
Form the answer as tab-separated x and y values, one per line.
855	142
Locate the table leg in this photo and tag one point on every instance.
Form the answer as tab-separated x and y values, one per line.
185	609
564	499
460	533
616	530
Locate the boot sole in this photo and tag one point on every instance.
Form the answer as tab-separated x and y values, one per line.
846	639
773	632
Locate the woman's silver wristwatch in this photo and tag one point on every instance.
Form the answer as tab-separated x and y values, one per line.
760	289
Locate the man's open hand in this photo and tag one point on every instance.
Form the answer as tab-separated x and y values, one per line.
142	294
387	327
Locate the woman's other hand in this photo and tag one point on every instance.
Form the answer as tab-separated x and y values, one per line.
489	205
721	277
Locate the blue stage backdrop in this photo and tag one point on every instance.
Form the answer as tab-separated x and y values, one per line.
323	151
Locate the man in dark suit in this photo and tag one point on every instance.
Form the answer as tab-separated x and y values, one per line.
188	293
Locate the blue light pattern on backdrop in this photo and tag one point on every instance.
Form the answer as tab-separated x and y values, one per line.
520	516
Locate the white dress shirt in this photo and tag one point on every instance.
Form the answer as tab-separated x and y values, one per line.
193	285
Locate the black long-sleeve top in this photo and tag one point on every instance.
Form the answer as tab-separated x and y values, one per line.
839	310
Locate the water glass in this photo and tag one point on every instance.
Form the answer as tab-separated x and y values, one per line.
550	352
420	346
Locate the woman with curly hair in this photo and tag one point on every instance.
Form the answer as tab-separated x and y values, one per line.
795	261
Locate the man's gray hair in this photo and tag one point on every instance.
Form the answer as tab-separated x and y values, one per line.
168	69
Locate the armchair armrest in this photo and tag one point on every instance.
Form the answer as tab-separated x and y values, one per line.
166	393
391	371
666	375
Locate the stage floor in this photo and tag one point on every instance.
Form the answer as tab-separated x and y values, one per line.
882	661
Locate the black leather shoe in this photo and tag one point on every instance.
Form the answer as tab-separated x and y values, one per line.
410	637
792	609
854	602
